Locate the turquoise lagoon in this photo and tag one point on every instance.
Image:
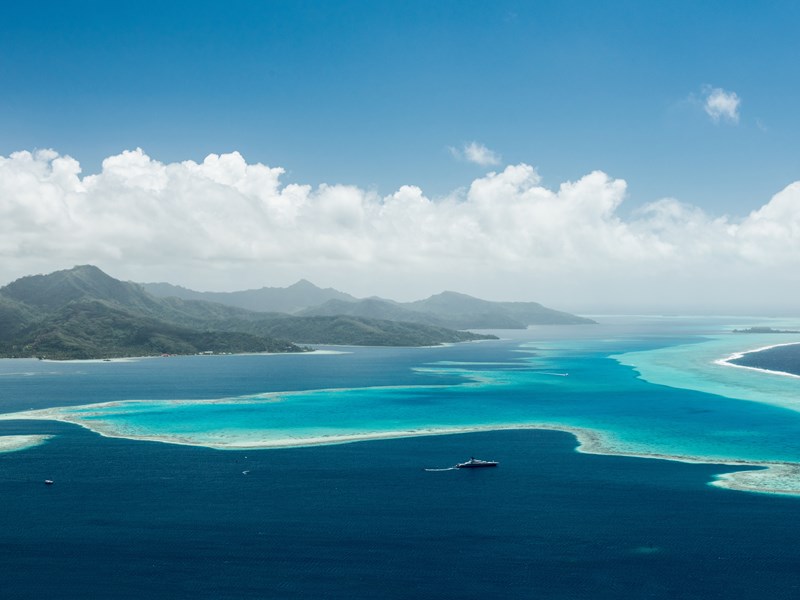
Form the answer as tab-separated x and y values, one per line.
638	386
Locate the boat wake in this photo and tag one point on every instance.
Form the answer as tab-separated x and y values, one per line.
439	470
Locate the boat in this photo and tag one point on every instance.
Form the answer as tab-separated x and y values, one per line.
48	482
476	463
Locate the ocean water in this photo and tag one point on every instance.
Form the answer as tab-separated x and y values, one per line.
131	518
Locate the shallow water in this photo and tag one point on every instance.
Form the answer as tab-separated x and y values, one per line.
659	390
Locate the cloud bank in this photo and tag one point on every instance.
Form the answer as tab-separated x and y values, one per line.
227	224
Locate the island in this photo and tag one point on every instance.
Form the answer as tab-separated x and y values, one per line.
765	330
83	313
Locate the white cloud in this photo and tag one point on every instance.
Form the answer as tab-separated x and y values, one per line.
721	105
227	224
476	153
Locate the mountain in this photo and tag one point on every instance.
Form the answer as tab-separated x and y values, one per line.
460	308
85	313
56	290
14	316
292	299
371	308
452	310
449	310
93	329
355	331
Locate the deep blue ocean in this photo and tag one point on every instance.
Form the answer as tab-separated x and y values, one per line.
137	519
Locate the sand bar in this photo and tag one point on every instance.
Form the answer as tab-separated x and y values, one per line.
768	477
14	443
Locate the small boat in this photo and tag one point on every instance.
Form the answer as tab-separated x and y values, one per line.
48	482
476	463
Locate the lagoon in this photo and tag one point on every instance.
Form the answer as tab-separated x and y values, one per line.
165	486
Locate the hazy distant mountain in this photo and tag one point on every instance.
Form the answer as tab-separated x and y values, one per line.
460	308
449	309
84	313
452	310
268	299
371	308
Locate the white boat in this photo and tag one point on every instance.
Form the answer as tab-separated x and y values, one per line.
476	463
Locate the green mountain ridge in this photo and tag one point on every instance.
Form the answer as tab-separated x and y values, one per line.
292	299
84	313
355	331
93	329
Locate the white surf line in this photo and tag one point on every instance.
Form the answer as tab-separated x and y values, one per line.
725	362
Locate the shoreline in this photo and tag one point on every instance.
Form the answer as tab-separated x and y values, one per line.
725	362
758	477
130	359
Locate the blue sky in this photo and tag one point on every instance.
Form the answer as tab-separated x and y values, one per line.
373	93
378	95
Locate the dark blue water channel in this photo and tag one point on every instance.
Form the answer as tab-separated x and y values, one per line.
146	520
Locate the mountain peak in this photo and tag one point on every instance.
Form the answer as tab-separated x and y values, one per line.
87	269
302	285
82	282
452	294
296	297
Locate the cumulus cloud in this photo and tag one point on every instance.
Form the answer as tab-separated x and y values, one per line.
476	153
227	224
721	105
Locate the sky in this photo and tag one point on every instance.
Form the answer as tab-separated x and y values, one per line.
596	157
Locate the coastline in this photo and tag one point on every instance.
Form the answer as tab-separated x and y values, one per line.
125	359
776	474
725	362
764	477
